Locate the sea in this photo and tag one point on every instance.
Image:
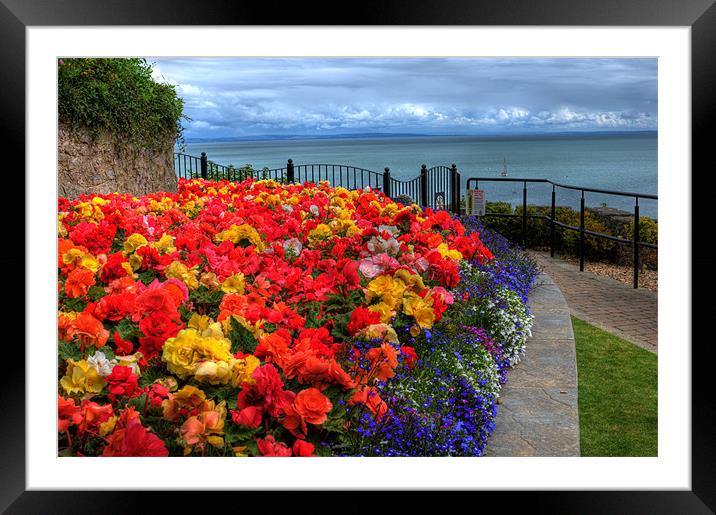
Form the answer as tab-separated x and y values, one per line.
623	162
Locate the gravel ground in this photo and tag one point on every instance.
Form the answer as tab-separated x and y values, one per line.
647	279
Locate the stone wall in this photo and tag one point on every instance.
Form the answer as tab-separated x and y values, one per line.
89	166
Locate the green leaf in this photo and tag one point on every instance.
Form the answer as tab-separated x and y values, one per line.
147	276
128	330
68	350
241	338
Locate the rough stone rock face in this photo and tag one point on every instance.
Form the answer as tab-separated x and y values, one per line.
88	166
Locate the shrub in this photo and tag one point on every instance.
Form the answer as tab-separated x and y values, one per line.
118	95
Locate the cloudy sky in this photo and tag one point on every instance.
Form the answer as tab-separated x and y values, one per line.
227	97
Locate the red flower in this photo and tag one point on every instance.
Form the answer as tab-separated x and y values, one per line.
78	282
67	413
123	347
250	416
154	300
93	415
89	331
114	307
122	382
270	447
410	355
134	440
113	268
361	318
303	448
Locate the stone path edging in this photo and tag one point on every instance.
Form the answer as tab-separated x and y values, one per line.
538	413
615	307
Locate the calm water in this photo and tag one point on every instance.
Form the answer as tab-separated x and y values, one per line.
625	163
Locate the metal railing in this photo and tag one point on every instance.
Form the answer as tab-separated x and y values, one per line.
552	219
437	187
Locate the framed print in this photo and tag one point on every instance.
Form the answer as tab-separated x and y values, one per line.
678	39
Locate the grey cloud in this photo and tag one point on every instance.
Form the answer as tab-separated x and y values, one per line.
241	96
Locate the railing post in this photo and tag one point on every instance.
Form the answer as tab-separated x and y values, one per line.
458	194
551	229
289	171
636	243
454	190
204	162
386	182
581	233
424	186
524	214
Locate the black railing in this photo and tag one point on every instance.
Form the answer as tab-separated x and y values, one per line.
437	187
552	219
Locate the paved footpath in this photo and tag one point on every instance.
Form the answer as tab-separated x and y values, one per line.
538	414
606	303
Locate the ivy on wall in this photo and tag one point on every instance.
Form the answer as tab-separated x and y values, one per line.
120	96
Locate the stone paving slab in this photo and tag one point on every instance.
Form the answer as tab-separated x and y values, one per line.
538	413
606	303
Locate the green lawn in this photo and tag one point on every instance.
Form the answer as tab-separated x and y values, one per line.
617	394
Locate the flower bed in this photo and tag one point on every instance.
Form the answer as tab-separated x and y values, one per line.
260	319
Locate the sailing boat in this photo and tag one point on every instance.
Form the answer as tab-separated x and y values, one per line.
504	167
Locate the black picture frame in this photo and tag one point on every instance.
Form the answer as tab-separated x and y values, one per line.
699	15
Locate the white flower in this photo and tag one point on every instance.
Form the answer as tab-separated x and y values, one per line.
145	219
390	229
101	364
287	208
314	210
292	246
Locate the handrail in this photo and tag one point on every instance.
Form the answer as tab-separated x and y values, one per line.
567	186
635	242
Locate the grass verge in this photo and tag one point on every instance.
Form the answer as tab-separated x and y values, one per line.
617	394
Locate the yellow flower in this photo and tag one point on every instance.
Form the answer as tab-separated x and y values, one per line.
81	378
189	349
255	329
386	312
128	268
321	232
243	369
135	261
200	322
412	280
424	316
389	209
107	426
244	232
234	284
209	280
382	331
61	231
389	289
213	372
180	271
73	255
134	241
165	244
90	263
446	252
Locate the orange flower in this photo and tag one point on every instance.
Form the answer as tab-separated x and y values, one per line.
89	331
273	348
383	359
312	406
369	396
78	282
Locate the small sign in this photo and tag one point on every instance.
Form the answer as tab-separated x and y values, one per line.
440	200
476	202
